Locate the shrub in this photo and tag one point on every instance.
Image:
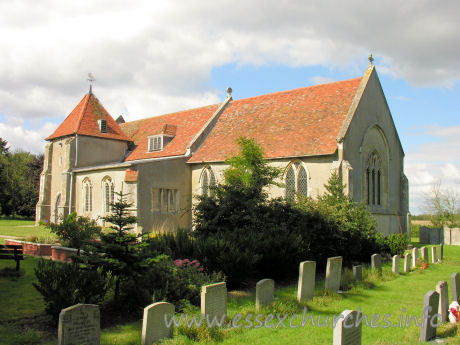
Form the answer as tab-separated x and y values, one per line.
63	285
396	243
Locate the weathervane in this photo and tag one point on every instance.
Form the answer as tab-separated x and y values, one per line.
91	79
371	59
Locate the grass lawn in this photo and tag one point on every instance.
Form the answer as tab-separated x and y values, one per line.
21	229
21	305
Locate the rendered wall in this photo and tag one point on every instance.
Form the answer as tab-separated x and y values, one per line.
96	151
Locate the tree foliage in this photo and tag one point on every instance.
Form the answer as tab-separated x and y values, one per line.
443	205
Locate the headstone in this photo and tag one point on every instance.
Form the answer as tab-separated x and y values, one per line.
376	263
306	285
154	324
424	251
265	292
395	267
79	324
443	290
414	257
455	286
346	332
214	300
427	331
333	273
358	272
441	251
407	263
433	255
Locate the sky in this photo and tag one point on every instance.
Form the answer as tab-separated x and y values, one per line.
154	57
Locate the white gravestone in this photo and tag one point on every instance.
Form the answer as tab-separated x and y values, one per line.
455	286
443	290
376	263
214	300
427	331
79	324
358	272
346	332
306	284
441	251
433	255
407	263
265	292
333	273
154	324
395	266
424	251
414	257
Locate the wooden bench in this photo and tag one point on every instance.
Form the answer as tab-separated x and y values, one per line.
11	252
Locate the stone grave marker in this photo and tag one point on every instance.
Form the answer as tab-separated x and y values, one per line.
443	290
214	300
358	272
376	263
455	286
414	257
424	251
441	251
345	331
79	324
428	332
433	255
265	292
333	273
407	263
306	284
153	323
395	266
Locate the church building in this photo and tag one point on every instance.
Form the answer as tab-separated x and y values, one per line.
163	162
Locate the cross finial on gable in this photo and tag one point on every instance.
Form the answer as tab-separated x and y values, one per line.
91	79
371	59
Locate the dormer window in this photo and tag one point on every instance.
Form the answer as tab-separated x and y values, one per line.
156	143
102	125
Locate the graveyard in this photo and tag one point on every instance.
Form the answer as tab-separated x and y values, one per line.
22	318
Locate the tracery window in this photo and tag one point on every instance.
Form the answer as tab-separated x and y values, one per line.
88	195
108	192
208	181
296	181
374	180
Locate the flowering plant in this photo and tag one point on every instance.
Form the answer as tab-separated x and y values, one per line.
187	263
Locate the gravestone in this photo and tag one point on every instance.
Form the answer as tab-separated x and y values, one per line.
455	286
427	331
358	272
395	267
443	290
433	255
265	292
346	332
306	284
154	324
407	263
79	324
214	300
333	273
376	263
441	251
424	251
414	257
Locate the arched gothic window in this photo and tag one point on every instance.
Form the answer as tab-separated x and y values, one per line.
208	181
374	180
108	192
88	195
296	181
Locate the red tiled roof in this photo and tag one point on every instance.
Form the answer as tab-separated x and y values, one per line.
83	121
131	175
184	125
300	122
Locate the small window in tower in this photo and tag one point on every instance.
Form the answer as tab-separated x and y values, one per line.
102	126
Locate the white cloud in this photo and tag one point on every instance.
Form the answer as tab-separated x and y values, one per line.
320	80
28	140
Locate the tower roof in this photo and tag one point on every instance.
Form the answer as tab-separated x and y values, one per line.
83	120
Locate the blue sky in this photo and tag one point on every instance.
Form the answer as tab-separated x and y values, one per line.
150	58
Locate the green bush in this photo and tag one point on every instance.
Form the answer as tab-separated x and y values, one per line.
396	243
63	285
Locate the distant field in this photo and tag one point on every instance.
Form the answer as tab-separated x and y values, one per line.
421	222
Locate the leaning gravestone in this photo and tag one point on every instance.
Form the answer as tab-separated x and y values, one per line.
346	332
414	257
455	283
79	324
433	255
358	272
443	290
395	266
306	285
441	251
424	254
427	331
407	263
265	292
376	263
154	322
214	300
333	273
